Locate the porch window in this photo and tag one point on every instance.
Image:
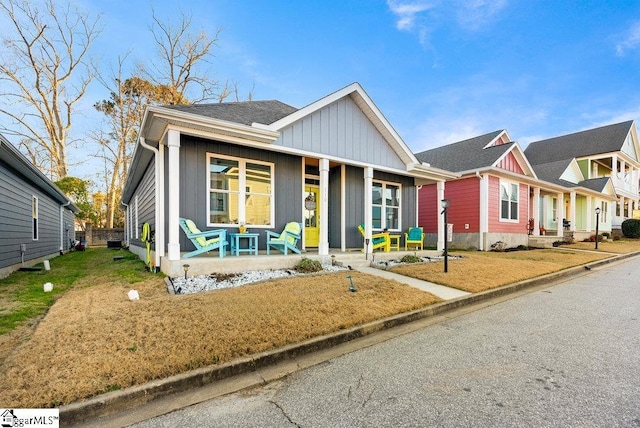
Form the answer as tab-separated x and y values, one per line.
240	192
508	201
34	217
604	210
554	209
386	205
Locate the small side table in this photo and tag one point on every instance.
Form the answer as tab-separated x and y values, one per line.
252	243
394	242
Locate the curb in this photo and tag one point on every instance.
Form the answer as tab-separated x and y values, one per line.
116	401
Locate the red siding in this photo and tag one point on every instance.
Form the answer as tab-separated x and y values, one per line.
510	163
495	225
464	208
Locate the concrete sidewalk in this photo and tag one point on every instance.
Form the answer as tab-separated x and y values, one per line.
445	293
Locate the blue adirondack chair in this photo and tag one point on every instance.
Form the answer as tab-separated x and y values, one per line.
204	241
414	238
287	240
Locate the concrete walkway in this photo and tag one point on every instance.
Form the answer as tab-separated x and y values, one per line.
445	293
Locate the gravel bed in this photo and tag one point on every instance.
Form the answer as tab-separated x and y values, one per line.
200	283
385	264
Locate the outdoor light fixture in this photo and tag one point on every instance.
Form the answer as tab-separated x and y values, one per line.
445	207
186	269
366	249
597	224
351	287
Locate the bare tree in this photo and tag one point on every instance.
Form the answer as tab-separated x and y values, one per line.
43	74
179	72
124	110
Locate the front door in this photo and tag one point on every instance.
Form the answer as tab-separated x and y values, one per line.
311	216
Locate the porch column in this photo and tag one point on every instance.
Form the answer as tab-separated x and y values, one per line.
484	212
343	207
323	245
173	245
536	211
572	209
623	177
590	214
560	213
621	208
440	193
614	170
368	214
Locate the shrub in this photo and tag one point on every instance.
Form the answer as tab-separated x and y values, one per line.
631	228
616	238
308	266
410	259
557	243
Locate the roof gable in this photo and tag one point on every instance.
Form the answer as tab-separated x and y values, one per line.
572	173
368	109
601	184
605	139
492	150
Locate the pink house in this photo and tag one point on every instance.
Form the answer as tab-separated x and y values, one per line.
490	202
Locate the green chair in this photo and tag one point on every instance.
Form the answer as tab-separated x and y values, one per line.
204	241
287	240
378	240
414	238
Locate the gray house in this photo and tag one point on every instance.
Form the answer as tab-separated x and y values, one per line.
339	152
36	217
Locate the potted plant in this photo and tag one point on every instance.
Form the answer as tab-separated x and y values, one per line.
242	228
543	231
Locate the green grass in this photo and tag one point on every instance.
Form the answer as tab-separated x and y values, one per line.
22	297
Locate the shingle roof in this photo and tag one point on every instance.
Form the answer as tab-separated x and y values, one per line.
465	155
551	171
244	112
604	139
597	184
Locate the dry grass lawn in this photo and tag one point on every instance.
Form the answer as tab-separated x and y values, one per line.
94	339
622	246
481	271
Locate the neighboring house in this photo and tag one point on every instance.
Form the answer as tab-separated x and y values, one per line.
498	197
255	163
604	159
36	218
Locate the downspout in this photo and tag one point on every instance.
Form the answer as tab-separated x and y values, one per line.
159	235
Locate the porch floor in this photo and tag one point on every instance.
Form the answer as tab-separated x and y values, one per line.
209	263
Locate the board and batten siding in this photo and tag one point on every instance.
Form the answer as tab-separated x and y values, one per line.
16	221
354	206
340	130
287	184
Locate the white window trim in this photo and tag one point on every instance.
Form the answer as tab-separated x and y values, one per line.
35	218
383	206
509	184
242	176
136	218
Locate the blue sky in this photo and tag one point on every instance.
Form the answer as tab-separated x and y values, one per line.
440	71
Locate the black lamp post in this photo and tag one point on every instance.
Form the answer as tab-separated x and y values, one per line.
445	206
597	224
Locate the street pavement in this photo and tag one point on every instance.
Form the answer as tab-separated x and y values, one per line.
564	356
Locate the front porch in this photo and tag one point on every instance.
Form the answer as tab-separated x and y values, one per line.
209	263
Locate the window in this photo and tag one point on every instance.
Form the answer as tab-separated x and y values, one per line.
604	209
386	205
554	209
240	191
34	216
508	201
